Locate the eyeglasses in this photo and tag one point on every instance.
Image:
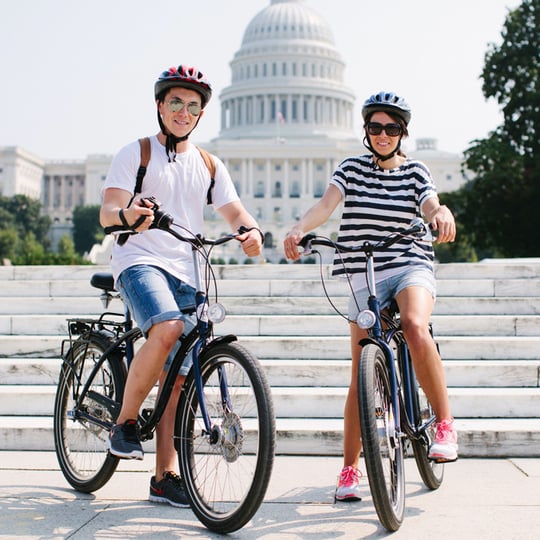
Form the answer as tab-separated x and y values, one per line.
176	105
392	130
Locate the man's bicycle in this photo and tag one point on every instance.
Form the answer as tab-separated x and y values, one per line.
225	426
393	408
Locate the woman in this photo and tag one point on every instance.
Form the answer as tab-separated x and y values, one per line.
383	191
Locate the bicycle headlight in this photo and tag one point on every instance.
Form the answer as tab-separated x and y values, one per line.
366	319
216	312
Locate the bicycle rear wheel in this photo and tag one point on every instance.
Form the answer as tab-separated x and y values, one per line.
383	449
80	434
226	472
431	472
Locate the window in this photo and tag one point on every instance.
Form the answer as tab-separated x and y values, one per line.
259	190
318	192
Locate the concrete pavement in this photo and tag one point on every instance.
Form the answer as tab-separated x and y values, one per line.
479	499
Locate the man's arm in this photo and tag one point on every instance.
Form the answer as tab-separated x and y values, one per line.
114	200
237	216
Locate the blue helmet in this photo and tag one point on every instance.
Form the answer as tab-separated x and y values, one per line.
387	102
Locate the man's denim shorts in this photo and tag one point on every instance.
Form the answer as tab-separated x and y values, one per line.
153	296
389	288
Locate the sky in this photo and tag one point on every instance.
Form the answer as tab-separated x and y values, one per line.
77	76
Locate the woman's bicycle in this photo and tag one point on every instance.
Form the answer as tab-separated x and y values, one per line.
393	408
225	426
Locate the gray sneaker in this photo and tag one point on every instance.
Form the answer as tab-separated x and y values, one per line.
169	490
123	441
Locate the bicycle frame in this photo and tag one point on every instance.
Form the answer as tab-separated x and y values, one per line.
401	401
377	336
125	333
382	337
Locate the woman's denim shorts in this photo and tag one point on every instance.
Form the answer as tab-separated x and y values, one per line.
389	288
152	296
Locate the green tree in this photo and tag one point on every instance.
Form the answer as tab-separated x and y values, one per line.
8	242
66	252
499	208
25	215
86	228
30	251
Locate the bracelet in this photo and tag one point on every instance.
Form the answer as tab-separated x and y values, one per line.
123	219
243	229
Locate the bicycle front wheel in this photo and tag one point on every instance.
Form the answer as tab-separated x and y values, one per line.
80	434
226	471
383	449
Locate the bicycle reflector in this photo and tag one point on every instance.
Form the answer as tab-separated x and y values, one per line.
365	319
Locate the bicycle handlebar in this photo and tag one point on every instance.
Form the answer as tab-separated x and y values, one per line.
165	222
417	226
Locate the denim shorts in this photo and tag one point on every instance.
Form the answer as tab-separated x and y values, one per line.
389	288
152	295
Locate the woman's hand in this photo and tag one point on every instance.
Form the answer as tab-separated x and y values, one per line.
290	244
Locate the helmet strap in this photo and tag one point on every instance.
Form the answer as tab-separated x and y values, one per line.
171	140
381	157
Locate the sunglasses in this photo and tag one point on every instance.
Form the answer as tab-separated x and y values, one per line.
392	130
176	105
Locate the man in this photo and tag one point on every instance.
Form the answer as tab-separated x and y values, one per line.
152	270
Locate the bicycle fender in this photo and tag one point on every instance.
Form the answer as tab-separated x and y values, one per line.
218	340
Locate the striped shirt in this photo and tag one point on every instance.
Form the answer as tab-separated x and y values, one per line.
378	202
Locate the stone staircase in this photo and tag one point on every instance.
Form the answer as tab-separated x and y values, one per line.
487	322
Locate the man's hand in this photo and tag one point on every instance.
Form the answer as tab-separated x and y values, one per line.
251	242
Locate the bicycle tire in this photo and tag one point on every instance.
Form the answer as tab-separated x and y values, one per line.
226	473
80	444
431	472
383	451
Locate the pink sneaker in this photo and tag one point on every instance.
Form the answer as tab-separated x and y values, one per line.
348	488
445	446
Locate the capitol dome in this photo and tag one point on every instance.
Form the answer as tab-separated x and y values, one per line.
287	19
287	76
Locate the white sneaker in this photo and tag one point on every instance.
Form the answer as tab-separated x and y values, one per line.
348	488
445	447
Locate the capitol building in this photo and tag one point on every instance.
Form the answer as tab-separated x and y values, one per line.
286	122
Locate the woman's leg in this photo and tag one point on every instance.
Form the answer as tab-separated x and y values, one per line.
415	307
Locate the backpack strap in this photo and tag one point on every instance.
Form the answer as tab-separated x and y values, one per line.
145	159
144	143
211	166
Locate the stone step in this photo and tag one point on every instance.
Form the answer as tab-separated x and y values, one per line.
264	305
491	268
269	287
484	437
312	402
292	325
316	373
316	347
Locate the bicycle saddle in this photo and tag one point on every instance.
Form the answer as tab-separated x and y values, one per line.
103	280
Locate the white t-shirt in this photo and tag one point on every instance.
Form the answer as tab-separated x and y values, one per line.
181	187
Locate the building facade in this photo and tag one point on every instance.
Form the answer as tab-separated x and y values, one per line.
286	122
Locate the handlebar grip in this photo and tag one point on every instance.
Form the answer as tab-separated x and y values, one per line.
303	242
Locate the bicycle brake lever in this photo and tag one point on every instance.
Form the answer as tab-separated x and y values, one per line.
305	243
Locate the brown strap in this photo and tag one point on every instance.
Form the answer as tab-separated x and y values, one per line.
145	151
211	166
208	161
